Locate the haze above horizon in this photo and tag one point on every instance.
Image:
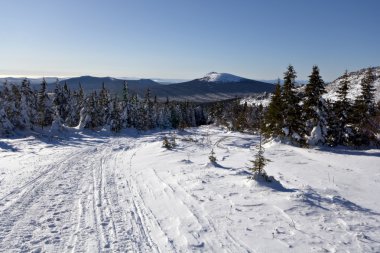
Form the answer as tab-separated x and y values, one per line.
186	40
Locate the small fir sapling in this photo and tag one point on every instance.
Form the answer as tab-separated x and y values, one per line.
212	157
260	161
169	143
166	144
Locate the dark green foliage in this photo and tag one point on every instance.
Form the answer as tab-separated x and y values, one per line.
332	125
44	112
362	115
125	92
27	105
273	119
6	126
212	156
241	122
259	163
314	108
217	114
103	106
166	144
61	101
234	115
147	112
342	109
293	124
115	118
169	143
24	108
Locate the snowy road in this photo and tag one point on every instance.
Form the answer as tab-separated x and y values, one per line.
97	193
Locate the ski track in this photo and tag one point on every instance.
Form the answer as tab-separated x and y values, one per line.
73	206
103	195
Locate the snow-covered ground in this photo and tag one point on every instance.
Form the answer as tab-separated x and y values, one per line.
258	100
92	192
355	79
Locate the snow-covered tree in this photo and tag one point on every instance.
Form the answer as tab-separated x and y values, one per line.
314	108
104	104
89	115
125	93
44	110
342	108
148	112
76	104
6	126
60	104
293	125
363	112
163	117
27	105
116	123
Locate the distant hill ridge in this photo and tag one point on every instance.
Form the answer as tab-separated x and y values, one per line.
211	87
355	79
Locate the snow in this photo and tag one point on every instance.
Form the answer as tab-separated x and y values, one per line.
220	78
257	100
355	79
92	192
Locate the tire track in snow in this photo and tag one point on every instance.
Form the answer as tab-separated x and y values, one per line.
117	220
24	224
91	233
138	213
222	235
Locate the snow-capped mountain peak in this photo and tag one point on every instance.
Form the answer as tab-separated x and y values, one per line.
220	78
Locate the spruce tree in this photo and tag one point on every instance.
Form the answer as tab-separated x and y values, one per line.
89	115
342	110
293	125
164	117
6	96
239	116
104	103
6	126
273	119
260	161
13	109
363	112
126	106
332	124
314	108
27	105
125	92
115	117
43	106
60	103
147	112
76	103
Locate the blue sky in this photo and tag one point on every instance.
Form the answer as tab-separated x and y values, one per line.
187	39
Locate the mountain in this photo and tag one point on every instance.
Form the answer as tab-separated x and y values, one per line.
214	77
33	81
212	87
89	83
355	88
114	85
